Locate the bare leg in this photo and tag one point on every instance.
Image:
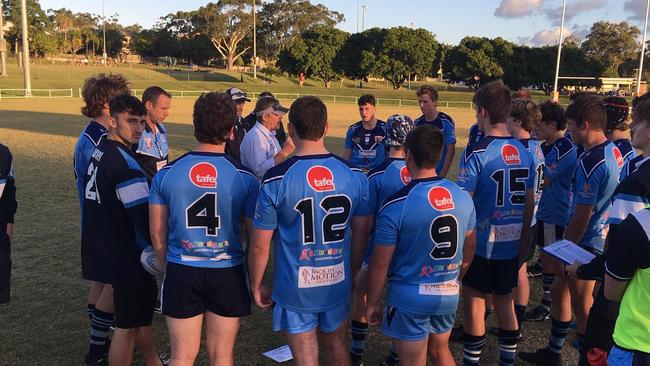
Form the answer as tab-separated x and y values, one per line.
304	347
105	300
581	300
121	352
412	352
221	333
561	298
522	292
358	311
438	350
95	291
185	339
335	347
473	311
504	308
144	342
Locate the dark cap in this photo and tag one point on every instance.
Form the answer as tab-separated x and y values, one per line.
237	95
267	105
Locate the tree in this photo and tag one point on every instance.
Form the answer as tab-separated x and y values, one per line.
40	27
313	53
357	58
473	62
280	23
612	44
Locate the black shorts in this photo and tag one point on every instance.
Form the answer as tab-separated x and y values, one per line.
5	269
189	291
134	305
492	276
532	241
548	233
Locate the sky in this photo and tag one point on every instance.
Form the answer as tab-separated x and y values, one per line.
531	22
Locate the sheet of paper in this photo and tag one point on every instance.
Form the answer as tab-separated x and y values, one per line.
280	354
568	252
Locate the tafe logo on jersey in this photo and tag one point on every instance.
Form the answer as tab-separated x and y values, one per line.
510	155
204	175
440	199
320	178
405	175
618	156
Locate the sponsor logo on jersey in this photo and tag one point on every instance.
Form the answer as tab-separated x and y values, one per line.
539	152
440	199
320	178
447	288
308	254
510	155
204	175
427	271
619	157
405	175
505	233
320	276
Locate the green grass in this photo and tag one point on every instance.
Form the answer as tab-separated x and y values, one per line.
45	323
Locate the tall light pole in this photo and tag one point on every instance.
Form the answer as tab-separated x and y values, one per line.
363	17
27	81
254	43
104	54
358	6
556	94
3	46
645	30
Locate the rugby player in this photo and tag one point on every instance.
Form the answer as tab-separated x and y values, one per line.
364	141
428	102
425	240
232	145
618	126
496	171
152	150
195	206
310	199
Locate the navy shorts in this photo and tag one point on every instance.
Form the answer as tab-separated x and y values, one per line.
492	276
134	304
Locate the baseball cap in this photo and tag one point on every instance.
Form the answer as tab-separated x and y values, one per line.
397	127
267	105
237	95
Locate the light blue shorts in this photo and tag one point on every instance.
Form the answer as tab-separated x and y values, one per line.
294	323
406	326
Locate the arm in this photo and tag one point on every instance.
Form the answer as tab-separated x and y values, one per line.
469	249
381	257
360	233
451	152
158	216
529	208
257	260
614	289
347	154
578	224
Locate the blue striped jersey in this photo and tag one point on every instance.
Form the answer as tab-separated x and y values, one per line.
498	171
310	200
560	165
632	194
534	148
630	167
446	124
86	143
627	150
206	195
475	134
426	222
152	150
368	146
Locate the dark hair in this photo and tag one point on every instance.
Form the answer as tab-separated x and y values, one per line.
642	111
308	116
152	93
367	99
618	112
577	95
265	94
553	112
424	143
588	108
521	94
429	90
214	116
264	102
494	97
126	103
640	99
527	112
100	89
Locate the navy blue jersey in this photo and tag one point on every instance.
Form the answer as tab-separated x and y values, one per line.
153	150
426	221
560	165
87	142
627	150
448	128
310	201
115	224
596	178
206	195
579	148
534	148
8	202
475	134
498	171
632	194
368	147
630	167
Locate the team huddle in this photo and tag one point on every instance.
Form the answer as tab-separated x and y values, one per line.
343	227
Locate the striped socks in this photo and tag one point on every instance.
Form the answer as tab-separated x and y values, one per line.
359	331
547	281
472	347
507	346
89	310
99	328
559	331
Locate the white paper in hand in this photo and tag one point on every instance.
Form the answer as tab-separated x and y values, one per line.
568	252
280	354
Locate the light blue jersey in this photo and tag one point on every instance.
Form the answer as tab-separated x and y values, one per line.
91	136
498	171
561	159
368	147
596	178
206	195
426	221
448	128
627	150
534	148
310	200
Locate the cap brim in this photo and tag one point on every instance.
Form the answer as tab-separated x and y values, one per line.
281	109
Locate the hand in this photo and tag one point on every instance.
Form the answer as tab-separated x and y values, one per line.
572	270
262	297
373	315
288	146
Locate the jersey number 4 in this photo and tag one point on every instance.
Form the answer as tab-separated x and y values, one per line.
337	211
202	213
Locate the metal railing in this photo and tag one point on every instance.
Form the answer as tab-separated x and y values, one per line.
35	93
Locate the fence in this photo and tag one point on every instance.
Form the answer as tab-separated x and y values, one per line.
36	93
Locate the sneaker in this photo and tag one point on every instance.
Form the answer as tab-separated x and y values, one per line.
389	361
542	356
95	361
158	307
358	362
535	270
165	359
538	314
457	334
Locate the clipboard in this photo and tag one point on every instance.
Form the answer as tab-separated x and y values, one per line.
568	252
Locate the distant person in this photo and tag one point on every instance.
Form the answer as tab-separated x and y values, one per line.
97	92
428	101
8	207
364	141
318	204
152	151
260	150
249	121
203	195
239	131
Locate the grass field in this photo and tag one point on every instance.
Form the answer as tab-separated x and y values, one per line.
45	323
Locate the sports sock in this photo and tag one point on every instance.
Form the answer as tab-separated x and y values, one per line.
99	327
580	341
547	281
520	313
89	309
559	331
488	311
392	355
507	346
359	331
472	347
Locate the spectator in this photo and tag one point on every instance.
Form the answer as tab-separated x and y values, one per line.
232	145
152	150
249	121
